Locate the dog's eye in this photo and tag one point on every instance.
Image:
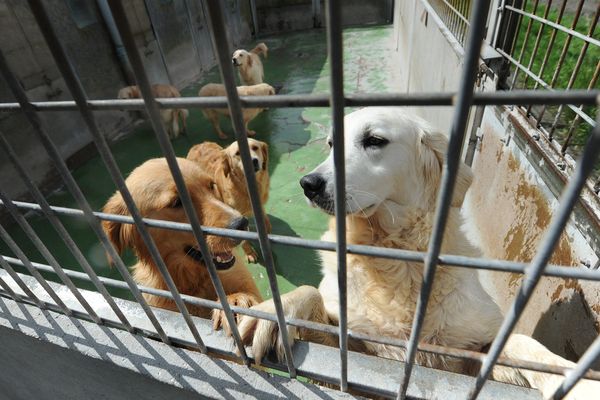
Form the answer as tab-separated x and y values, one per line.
237	153
176	203
374	141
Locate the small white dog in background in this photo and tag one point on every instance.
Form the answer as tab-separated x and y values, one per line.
171	117
249	65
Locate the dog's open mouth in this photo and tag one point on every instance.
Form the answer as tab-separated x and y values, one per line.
222	260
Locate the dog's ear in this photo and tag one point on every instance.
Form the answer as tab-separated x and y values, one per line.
121	235
264	148
432	152
225	164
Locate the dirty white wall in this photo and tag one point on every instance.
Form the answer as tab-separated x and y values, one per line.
509	205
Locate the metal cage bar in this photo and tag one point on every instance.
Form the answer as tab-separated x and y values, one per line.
573	376
76	89
220	41
74	189
329	329
534	271
398	254
5	236
60	229
167	149
335	53
337	101
43	250
448	180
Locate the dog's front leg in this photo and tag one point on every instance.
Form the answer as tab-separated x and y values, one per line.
305	302
241	299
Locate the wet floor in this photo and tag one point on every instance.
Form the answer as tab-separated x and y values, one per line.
298	63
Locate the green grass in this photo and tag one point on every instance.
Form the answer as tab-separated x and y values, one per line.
525	51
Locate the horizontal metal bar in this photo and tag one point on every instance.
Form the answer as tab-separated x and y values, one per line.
329	329
514	97
559	27
567	272
539	80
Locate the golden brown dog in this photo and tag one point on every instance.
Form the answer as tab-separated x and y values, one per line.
217	89
249	65
225	166
156	196
171	117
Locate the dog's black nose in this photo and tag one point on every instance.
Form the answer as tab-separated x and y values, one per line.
233	61
239	224
256	164
313	184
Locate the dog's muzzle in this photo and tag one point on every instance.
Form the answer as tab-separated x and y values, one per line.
314	189
234	62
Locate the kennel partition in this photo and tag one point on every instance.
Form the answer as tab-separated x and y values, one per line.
468	28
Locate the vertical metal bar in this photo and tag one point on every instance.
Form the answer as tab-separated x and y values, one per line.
78	93
62	232
563	54
14	247
513	44
335	48
452	163
29	111
39	245
577	118
549	48
527	32
158	41
577	66
15	277
254	15
534	271
220	41
538	39
573	376
167	149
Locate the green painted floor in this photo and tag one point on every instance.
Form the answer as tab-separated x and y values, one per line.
298	62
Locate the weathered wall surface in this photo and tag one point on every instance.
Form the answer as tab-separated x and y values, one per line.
509	205
291	15
83	31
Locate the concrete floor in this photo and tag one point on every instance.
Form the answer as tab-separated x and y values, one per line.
298	62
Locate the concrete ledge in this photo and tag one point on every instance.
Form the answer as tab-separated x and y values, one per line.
190	370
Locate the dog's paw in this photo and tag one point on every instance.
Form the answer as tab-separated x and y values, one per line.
245	300
251	133
264	335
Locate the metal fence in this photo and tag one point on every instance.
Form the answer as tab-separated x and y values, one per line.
337	100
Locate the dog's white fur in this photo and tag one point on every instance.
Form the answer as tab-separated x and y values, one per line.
250	68
171	117
391	194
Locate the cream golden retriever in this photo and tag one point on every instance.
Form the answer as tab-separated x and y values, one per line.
155	194
217	89
393	171
171	117
225	167
249	65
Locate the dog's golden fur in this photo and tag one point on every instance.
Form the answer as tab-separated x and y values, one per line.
249	66
155	194
217	89
173	118
225	166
